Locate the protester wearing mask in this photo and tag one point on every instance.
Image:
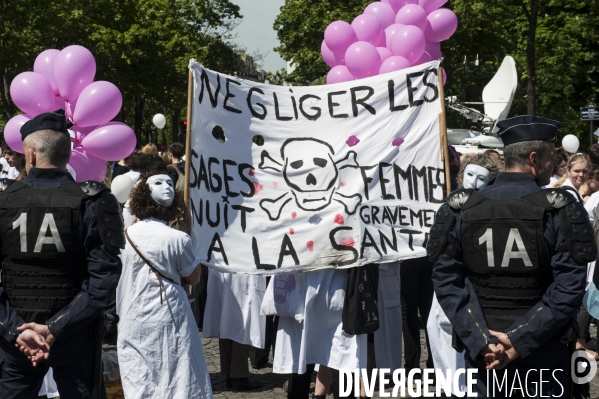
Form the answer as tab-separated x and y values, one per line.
159	347
477	173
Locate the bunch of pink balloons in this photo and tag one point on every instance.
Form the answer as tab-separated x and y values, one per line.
65	79
390	35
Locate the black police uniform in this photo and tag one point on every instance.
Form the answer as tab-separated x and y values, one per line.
60	242
513	258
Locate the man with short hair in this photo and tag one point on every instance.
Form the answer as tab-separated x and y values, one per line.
60	243
176	171
15	161
510	268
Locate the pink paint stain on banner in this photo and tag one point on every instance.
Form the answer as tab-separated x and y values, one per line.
352	141
397	142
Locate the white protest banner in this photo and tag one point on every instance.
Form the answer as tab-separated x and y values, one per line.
286	179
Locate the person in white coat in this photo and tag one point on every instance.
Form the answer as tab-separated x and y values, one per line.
159	347
318	338
477	173
233	315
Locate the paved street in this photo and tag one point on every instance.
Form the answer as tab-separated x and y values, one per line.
273	383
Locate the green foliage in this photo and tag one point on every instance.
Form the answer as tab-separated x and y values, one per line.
300	27
567	57
142	46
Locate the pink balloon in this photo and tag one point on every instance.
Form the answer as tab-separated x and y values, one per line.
383	11
340	59
442	23
368	29
32	93
339	74
327	55
424	58
70	108
384	52
362	60
81	132
111	141
338	36
87	167
59	103
431	5
394	63
44	65
390	34
398	4
409	43
98	103
412	14
74	70
12	132
434	49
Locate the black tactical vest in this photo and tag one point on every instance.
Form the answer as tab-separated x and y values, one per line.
505	256
43	259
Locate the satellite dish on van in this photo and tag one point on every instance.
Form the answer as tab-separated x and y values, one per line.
499	93
497	96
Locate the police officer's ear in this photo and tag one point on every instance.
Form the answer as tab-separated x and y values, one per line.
30	157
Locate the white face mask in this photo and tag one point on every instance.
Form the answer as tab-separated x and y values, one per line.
162	189
476	176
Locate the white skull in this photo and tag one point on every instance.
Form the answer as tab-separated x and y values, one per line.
310	172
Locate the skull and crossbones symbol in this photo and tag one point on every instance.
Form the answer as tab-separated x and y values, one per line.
311	174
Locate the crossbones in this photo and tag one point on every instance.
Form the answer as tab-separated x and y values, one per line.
311	174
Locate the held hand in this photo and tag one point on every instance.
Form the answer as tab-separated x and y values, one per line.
33	345
41	329
492	354
510	352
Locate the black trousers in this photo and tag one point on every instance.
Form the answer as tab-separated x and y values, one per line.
417	294
550	363
72	361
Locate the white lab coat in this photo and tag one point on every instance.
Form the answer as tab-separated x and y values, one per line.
439	336
159	347
233	308
49	387
319	339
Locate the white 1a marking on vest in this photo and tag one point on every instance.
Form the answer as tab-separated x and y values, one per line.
520	253
42	239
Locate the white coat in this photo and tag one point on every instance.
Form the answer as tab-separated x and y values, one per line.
159	347
319	339
440	339
233	308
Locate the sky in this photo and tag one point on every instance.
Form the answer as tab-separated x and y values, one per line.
256	32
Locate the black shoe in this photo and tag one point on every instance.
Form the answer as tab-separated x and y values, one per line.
228	383
261	366
245	384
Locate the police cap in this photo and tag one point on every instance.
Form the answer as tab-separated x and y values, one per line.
527	128
47	121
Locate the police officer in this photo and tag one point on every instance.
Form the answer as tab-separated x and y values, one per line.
510	268
60	242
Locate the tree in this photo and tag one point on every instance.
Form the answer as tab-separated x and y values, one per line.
553	42
300	27
142	46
